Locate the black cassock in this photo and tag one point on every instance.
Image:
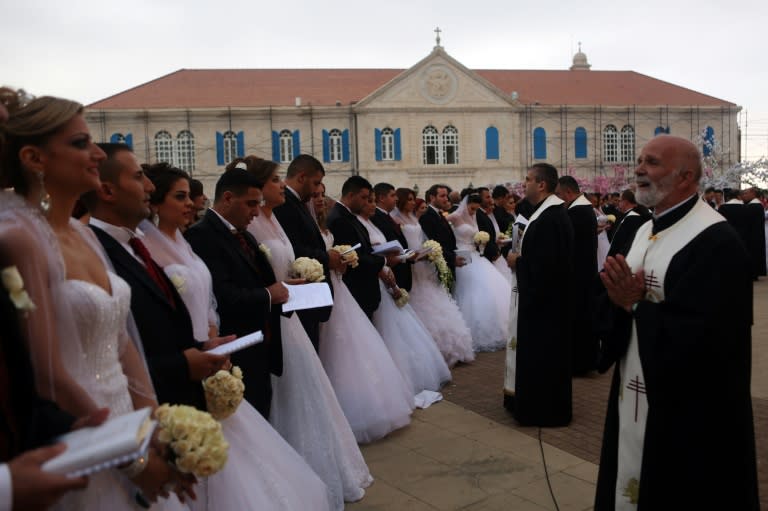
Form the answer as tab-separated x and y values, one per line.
543	370
695	350
585	347
625	231
755	218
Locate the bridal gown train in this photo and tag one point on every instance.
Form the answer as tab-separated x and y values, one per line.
371	390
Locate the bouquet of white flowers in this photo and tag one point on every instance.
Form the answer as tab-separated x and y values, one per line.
224	392
178	282
350	257
308	268
403	299
266	251
481	239
14	284
435	255
194	438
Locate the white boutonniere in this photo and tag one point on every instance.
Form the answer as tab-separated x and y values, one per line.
14	284
266	251
179	283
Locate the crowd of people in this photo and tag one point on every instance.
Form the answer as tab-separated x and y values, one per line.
134	280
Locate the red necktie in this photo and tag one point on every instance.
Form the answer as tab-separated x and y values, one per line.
154	271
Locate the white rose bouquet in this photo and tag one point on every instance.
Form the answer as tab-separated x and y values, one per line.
266	251
178	282
435	255
195	442
350	258
308	268
224	392
14	284
403	299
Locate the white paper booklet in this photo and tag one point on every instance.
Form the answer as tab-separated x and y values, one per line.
393	246
307	296
238	344
116	442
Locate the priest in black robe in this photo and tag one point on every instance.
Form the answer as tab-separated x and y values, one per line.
582	216
755	218
633	216
693	345
544	274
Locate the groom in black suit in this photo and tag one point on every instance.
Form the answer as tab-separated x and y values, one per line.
362	280
303	178
386	199
437	228
176	364
248	296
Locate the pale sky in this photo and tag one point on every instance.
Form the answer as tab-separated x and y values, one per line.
88	50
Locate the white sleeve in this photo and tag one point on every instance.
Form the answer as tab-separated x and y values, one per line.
6	488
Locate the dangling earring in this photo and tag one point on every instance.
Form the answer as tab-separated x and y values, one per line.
45	199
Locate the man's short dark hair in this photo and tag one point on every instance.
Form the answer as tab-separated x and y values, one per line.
354	184
382	189
547	173
481	189
615	194
629	196
710	189
109	169
195	188
236	181
568	183
731	193
500	191
432	191
304	163
718	191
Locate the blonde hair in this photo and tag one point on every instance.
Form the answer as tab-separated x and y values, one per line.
29	123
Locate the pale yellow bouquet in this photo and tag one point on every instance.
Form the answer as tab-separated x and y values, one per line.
195	442
14	284
350	258
402	300
308	268
481	238
435	255
224	392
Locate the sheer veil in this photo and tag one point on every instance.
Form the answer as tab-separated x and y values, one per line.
462	216
403	218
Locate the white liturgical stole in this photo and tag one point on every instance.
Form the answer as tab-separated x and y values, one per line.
652	254
552	200
580	201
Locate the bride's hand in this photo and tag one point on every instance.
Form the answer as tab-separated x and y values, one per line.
153	478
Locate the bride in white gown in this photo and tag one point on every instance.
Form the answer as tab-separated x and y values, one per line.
305	410
428	298
408	340
483	297
262	471
371	390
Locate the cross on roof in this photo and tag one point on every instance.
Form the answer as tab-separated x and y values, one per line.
437	37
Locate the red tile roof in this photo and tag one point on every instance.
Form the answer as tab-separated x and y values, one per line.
215	88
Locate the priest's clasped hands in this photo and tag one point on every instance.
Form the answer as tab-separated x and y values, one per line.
624	288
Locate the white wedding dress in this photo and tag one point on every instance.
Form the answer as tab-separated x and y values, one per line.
409	342
371	390
483	298
433	304
305	410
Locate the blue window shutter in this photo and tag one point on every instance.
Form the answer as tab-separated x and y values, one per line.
129	140
709	141
275	146
326	147
398	148
115	138
491	143
219	148
377	142
345	145
296	143
539	144
658	130
580	142
240	144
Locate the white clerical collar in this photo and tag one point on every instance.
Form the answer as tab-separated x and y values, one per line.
294	192
120	233
580	201
224	220
755	201
735	201
656	217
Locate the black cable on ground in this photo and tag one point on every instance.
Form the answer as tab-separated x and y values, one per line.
546	472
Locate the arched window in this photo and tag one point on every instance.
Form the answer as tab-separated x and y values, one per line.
627	143
708	144
539	144
491	143
185	150
286	146
164	147
387	144
450	145
230	146
430	141
610	143
334	141
580	142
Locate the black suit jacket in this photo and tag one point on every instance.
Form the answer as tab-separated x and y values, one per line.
392	231
503	218
437	228
239	285
491	250
362	281
166	330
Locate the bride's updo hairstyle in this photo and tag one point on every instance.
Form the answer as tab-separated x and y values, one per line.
30	122
402	196
472	195
259	168
163	175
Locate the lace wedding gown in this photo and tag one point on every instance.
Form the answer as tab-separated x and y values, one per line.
305	410
370	389
434	305
483	297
